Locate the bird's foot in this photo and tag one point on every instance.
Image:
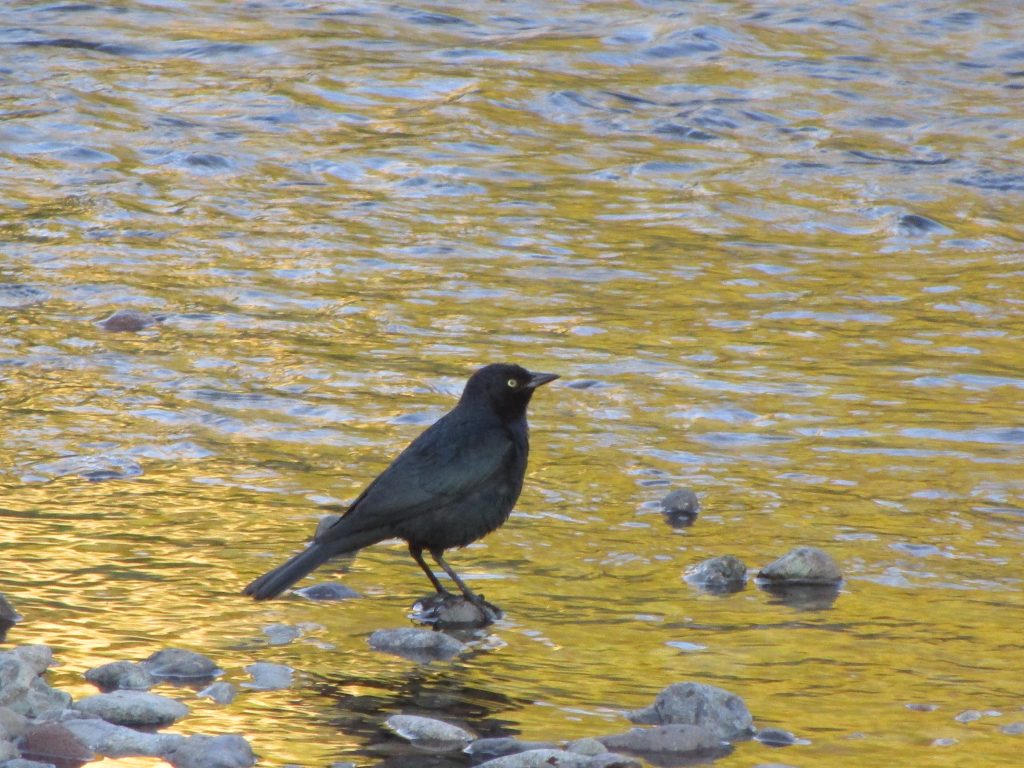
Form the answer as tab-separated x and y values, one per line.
446	611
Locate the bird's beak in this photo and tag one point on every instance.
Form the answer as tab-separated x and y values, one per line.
540	379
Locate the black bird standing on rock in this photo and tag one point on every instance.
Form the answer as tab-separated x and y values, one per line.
452	485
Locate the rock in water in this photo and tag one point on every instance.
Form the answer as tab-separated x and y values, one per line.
269	677
420	645
721	713
803	565
179	664
229	751
117	741
128	321
118	675
134	708
719	575
676	738
429	734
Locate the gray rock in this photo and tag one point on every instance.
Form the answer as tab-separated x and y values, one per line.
269	677
128	320
179	664
22	763
681	503
118	675
486	749
428	733
722	713
776	737
719	574
586	746
16	675
803	565
229	751
8	751
675	738
38	657
118	741
222	693
1013	729
54	741
968	716
330	590
136	708
12	724
540	758
281	634
454	611
421	645
40	700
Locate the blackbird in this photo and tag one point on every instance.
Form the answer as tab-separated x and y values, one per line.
452	485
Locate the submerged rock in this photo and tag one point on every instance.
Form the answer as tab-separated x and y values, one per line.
269	677
719	575
118	675
222	693
420	645
428	733
135	708
180	664
115	741
803	565
228	751
281	634
675	738
718	711
776	737
128	321
486	749
330	590
680	507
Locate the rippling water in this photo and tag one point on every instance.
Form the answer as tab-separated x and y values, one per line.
775	249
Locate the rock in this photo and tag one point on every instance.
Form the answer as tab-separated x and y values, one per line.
229	751
8	616
22	763
968	716
16	676
8	752
269	677
454	611
421	645
586	746
222	693
486	749
128	320
719	575
674	738
281	634
56	742
776	737
12	724
38	657
540	758
681	503
722	713
179	664
330	590
428	733
1013	729
613	760
121	675
135	708
118	741
803	565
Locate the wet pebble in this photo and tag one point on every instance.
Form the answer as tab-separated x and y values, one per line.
803	565
681	507
719	575
116	741
128	321
428	733
14	295
968	716
180	664
331	590
118	675
674	738
422	645
227	751
222	693
721	713
135	708
1013	729
269	677
776	737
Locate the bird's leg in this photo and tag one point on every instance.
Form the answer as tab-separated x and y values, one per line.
417	555
470	595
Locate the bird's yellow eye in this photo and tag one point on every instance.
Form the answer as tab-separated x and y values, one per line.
513	383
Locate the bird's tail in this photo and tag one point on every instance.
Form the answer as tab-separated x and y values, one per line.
273	583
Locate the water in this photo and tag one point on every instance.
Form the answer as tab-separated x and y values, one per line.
774	249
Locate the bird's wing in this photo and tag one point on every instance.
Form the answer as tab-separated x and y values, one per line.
446	462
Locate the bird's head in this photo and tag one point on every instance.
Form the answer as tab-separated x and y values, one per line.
506	388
